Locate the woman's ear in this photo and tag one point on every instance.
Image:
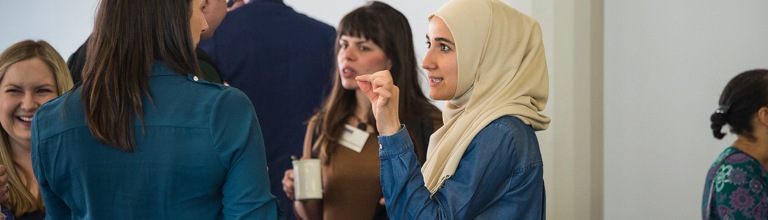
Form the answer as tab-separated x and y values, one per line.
762	116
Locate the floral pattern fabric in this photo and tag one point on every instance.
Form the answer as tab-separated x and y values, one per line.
735	188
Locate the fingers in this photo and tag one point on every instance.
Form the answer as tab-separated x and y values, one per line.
4	184
375	85
380	89
382	85
4	195
380	78
363	78
288	184
384	96
377	79
364	83
381	201
3	174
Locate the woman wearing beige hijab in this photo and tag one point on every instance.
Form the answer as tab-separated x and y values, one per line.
486	59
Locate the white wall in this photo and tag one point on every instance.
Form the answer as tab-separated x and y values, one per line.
63	24
666	63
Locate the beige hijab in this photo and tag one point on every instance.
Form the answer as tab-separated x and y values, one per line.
502	71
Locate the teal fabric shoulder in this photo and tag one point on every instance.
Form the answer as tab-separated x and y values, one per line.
199	155
735	188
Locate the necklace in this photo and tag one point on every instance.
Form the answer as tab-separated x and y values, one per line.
360	123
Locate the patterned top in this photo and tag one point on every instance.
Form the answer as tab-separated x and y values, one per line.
735	188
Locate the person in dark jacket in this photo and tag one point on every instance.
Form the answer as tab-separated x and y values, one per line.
283	61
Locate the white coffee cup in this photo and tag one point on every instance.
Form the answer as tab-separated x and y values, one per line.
307	180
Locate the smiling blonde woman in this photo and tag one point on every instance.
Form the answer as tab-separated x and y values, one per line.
31	74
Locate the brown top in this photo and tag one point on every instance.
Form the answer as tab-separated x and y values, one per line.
351	184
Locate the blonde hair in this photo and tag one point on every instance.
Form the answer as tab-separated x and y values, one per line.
20	199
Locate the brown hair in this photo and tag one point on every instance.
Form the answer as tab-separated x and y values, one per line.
388	29
742	97
20	199
128	36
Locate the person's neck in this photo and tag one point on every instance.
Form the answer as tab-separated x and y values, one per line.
21	150
363	106
758	149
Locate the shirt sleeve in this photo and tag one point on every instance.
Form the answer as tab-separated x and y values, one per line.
739	191
239	143
55	208
486	177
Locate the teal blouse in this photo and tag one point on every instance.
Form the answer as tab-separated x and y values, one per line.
199	155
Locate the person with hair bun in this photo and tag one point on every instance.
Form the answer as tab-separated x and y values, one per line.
736	183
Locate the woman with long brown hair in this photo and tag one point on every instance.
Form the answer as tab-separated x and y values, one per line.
371	38
143	137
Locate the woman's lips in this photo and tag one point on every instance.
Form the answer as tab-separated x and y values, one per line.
348	72
434	81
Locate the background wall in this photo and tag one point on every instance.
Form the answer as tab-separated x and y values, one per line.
666	63
632	86
63	24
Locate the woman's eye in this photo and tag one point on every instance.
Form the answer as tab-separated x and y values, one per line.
364	48
444	48
429	45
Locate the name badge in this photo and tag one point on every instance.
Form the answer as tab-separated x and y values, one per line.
353	138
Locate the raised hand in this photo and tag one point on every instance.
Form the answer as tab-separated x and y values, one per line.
384	97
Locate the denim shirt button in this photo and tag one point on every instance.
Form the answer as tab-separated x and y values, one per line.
380	147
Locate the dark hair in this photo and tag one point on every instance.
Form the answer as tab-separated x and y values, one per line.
389	29
128	36
742	97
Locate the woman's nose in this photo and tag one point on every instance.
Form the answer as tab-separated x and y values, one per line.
28	103
428	63
348	54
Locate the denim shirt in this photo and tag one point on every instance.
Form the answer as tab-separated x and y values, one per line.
499	177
